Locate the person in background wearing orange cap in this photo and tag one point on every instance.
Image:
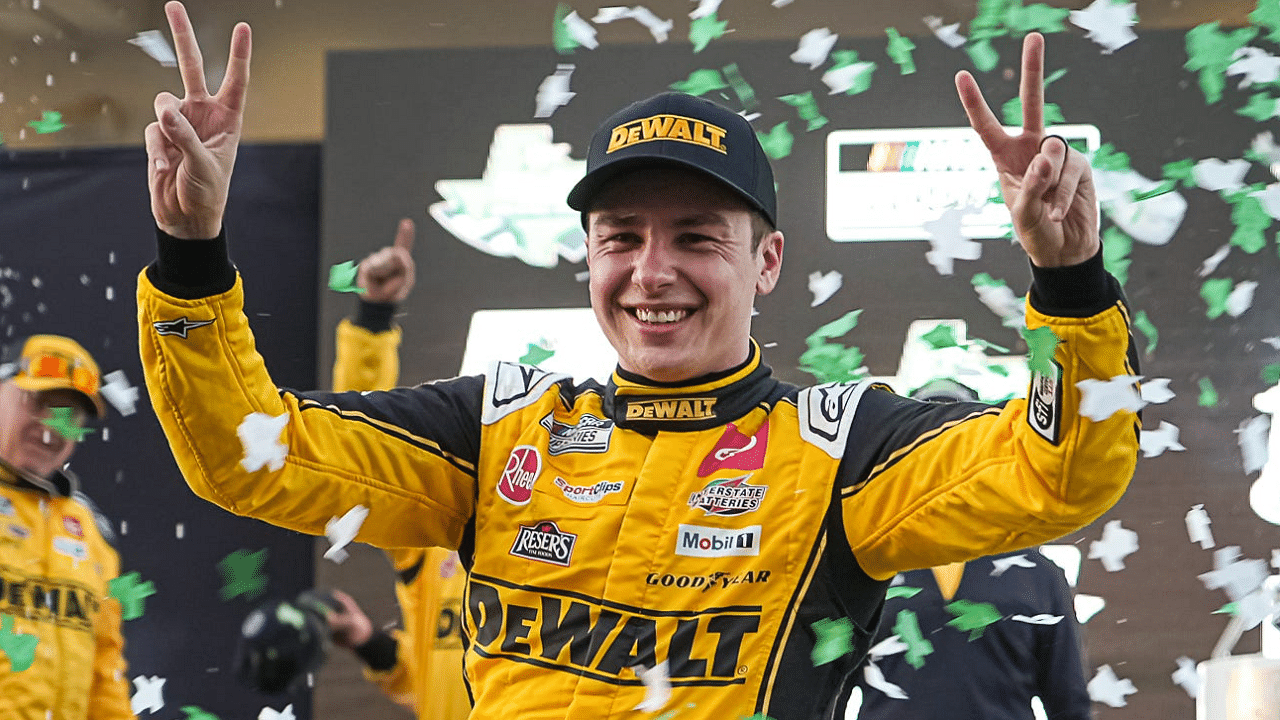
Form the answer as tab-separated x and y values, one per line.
61	647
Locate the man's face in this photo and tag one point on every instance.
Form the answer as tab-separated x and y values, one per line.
673	274
25	442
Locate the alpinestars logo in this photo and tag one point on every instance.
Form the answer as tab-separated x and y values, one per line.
729	497
589	435
179	327
544	542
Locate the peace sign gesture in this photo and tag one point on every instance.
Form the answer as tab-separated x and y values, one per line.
191	148
1047	186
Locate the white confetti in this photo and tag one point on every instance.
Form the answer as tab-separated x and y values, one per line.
948	242
948	34
1274	342
1155	442
117	391
1198	529
1153	221
272	714
1212	262
1100	399
891	645
660	29
341	531
153	43
1258	66
1086	606
1213	174
1002	565
1252	437
148	695
1186	677
1237	578
1253	608
999	299
781	3
581	31
1264	496
1156	391
1241	298
875	679
553	92
824	285
1269	199
1116	544
260	436
1107	23
842	79
1041	619
657	687
1106	688
814	47
705	8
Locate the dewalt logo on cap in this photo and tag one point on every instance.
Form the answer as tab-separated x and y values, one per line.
667	127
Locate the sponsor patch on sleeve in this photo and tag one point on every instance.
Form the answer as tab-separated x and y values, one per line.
1044	403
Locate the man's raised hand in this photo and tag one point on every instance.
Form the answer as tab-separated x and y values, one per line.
1047	186
191	147
387	275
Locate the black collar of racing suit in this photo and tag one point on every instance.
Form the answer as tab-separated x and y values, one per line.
62	483
647	406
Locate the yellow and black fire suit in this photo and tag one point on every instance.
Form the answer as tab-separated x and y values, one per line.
56	561
419	667
707	526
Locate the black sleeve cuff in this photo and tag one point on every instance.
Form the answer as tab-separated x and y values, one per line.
1078	291
379	651
374	316
190	269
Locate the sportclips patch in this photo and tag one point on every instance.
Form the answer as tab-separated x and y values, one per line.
1044	403
589	435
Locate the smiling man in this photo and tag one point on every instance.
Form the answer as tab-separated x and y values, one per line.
693	519
62	651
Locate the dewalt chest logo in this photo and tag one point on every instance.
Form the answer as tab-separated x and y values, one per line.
48	600
676	128
672	409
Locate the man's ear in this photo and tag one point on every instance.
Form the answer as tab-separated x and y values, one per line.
770	253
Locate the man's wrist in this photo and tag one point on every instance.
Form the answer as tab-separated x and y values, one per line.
379	651
191	269
375	316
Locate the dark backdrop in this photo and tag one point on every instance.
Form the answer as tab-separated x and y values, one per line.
75	229
399	121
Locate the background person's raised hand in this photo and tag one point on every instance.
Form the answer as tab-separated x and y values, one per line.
1047	186
387	275
191	147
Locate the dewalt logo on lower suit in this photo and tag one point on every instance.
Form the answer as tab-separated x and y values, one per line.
598	639
58	602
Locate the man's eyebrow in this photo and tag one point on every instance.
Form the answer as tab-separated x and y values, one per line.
702	219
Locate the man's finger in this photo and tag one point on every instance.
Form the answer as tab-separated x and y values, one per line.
404	235
1064	193
235	84
190	62
981	119
157	149
176	127
1032	89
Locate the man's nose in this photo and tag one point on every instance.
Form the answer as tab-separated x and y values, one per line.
655	264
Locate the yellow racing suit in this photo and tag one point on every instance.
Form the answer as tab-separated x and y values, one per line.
56	561
705	530
422	668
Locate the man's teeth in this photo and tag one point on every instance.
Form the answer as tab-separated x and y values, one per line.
660	316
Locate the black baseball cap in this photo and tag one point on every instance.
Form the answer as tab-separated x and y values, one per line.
675	128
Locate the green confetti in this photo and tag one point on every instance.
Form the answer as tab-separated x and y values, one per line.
1252	221
777	142
1012	112
988	345
941	336
1055	76
972	617
536	354
342	277
1116	246
901	591
63	421
833	362
835	640
1184	171
1210	52
1041	344
989	20
758	716
1147	328
1106	157
195	713
700	83
561	38
1267	15
705	29
1000	370
807	107
1260	108
1208	394
746	94
242	574
983	55
1163	188
1230	608
1038	18
1271	374
49	122
19	647
907	628
843	58
859	83
1215	292
899	51
131	593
